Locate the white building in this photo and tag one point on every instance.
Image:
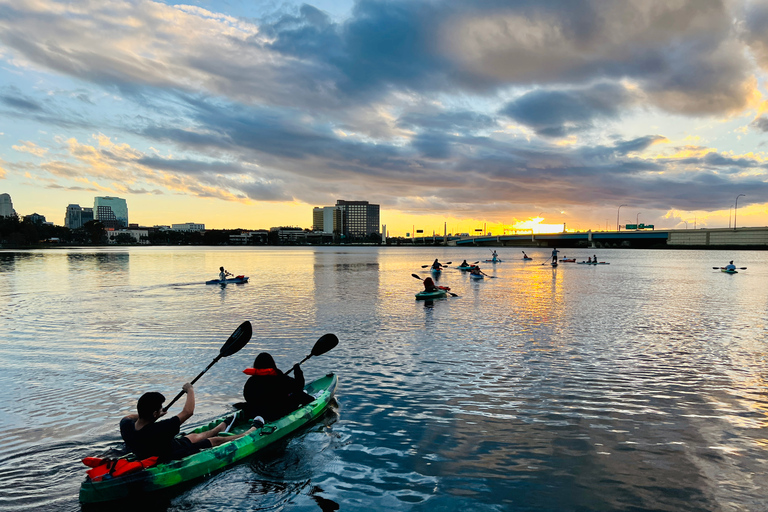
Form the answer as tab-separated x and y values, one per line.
6	206
188	226
137	235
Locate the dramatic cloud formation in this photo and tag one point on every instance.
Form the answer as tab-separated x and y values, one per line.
487	110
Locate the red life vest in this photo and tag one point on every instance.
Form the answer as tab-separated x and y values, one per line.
260	371
112	468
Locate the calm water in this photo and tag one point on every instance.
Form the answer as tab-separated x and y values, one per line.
639	385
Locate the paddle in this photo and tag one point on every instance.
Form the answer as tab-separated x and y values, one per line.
234	343
323	345
446	291
723	268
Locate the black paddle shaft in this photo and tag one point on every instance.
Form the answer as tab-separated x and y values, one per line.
234	343
323	345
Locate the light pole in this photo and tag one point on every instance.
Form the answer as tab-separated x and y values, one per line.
637	221
686	224
736	208
618	227
730	210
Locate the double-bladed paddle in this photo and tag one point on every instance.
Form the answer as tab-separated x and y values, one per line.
323	345
441	264
723	268
446	291
234	343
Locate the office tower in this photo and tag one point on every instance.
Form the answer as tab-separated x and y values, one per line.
86	215
358	218
6	206
112	212
73	218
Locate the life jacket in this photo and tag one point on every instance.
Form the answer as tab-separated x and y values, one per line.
112	468
260	371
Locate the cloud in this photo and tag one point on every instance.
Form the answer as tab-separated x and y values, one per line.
557	113
400	102
31	148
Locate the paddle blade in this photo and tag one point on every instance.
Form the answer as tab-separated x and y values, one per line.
324	344
237	340
417	277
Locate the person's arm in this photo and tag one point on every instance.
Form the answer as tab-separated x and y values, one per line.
298	377
132	417
189	405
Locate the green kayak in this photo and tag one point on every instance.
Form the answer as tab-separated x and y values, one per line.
211	460
437	294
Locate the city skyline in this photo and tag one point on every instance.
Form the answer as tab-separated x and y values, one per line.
451	116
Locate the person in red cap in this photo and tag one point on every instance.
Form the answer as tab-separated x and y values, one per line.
270	393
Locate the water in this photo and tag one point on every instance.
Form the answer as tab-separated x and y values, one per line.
639	385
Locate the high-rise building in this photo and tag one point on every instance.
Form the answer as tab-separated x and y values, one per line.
6	206
73	218
317	218
359	219
111	211
86	215
326	219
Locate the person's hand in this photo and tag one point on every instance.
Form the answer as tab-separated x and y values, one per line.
297	368
187	387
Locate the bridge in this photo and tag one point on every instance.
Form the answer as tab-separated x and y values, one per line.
704	238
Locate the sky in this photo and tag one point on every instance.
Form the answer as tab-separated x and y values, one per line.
452	115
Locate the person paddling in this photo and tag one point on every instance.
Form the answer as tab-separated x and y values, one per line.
429	285
436	264
145	436
730	266
476	271
554	255
223	274
525	256
494	256
270	393
464	264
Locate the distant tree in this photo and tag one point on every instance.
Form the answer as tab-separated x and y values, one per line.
124	238
94	232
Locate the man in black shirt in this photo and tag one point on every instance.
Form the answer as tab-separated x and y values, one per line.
147	437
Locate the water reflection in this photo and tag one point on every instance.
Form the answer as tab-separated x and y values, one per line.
639	384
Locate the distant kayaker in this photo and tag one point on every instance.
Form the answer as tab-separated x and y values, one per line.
271	393
589	259
476	271
494	255
429	285
525	256
223	274
554	255
594	258
147	437
436	264
730	266
464	264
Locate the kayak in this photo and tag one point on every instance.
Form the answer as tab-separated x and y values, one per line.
527	259
468	267
593	263
493	261
437	294
568	260
435	270
230	280
163	476
729	271
477	276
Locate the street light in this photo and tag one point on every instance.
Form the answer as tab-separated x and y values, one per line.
618	227
730	210
686	224
637	221
736	208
